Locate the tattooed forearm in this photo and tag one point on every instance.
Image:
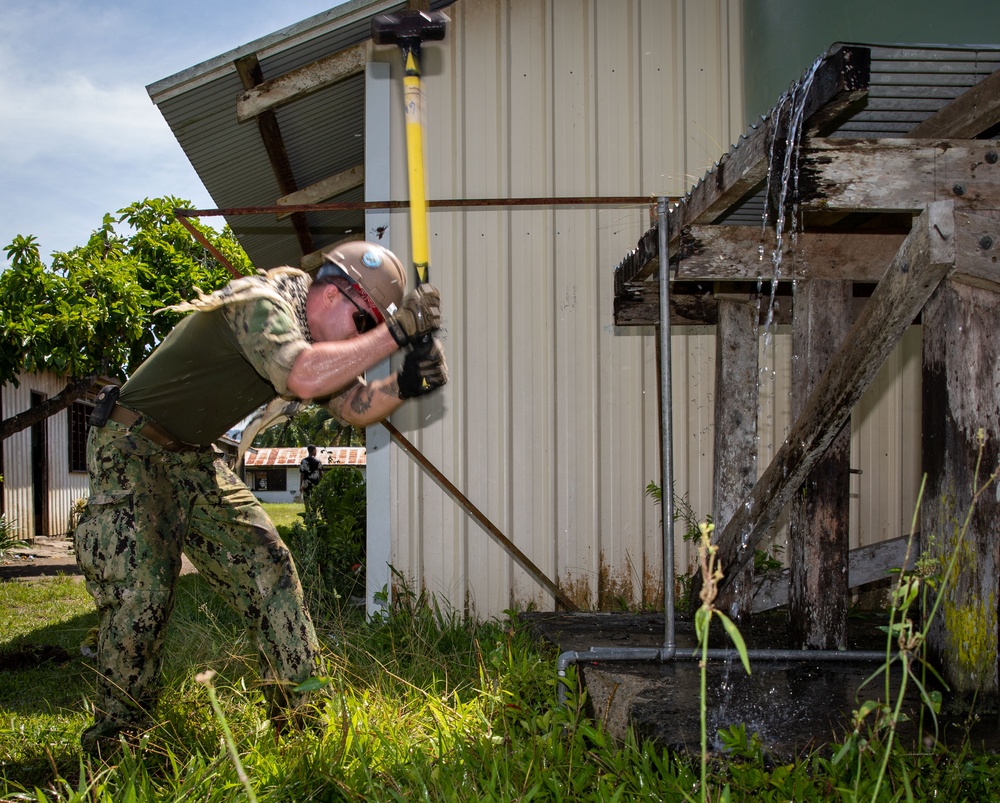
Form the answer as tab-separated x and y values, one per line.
363	397
361	400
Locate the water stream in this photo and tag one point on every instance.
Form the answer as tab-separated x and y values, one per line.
790	108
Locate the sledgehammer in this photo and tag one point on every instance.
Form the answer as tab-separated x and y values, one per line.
409	29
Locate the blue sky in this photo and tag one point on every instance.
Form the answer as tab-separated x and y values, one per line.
79	136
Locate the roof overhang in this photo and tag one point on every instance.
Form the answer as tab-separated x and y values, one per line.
872	111
280	120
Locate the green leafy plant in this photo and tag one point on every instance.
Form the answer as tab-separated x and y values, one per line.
90	313
710	576
8	538
329	543
916	595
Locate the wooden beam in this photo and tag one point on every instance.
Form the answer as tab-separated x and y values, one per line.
819	538
865	565
839	82
970	114
324	189
735	442
639	305
251	75
744	253
312	262
898	175
927	254
977	250
296	84
960	433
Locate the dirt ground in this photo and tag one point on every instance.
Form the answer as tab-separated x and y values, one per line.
49	556
46	557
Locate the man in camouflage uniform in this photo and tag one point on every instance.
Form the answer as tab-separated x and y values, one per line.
160	488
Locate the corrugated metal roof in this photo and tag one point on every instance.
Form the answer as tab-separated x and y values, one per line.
288	457
323	132
909	83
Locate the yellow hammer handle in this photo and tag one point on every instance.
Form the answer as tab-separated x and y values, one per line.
413	104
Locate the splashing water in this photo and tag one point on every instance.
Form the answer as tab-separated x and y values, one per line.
790	106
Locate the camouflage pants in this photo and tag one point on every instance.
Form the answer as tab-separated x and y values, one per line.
147	505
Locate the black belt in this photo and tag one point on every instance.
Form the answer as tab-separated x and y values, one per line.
150	430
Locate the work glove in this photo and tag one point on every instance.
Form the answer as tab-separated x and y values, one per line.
423	370
419	315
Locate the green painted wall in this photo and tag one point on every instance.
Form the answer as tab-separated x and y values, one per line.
783	37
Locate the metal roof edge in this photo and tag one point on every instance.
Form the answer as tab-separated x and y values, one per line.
915	45
318	24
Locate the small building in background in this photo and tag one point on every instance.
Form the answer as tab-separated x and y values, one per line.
273	474
43	468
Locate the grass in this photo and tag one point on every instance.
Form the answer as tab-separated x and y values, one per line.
285	514
422	705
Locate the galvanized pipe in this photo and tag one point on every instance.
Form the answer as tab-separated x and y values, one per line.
669	650
666	426
649	654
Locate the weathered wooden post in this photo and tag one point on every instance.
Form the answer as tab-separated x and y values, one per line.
926	256
735	466
961	398
818	526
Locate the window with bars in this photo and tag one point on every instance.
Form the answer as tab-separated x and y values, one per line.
79	426
268	479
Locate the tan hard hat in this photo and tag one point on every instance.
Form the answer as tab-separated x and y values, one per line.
376	270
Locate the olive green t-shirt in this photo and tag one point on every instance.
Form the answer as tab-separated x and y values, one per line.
215	368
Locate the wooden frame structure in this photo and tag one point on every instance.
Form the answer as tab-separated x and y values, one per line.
914	218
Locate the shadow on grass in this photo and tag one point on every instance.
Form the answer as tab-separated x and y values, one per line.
46	683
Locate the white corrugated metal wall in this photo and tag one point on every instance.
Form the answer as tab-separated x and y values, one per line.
65	487
550	423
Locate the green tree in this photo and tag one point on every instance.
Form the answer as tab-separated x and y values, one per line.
312	424
92	312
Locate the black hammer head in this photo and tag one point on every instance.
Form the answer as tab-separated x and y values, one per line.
407	28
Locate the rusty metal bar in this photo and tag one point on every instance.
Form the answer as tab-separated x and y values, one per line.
211	248
480	517
458	203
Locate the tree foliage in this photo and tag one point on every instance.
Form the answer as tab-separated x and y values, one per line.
313	424
92	312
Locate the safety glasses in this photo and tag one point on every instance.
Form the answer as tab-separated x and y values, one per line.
363	321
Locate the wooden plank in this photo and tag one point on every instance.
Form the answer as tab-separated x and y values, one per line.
866	565
298	83
639	305
248	68
819	534
735	447
977	250
970	114
898	175
840	82
961	398
313	261
329	187
734	253
926	256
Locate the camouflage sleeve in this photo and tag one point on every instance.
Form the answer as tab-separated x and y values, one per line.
269	337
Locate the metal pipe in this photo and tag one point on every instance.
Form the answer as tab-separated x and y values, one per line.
669	650
666	427
523	560
649	654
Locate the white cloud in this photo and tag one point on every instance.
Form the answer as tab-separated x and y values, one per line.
79	136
